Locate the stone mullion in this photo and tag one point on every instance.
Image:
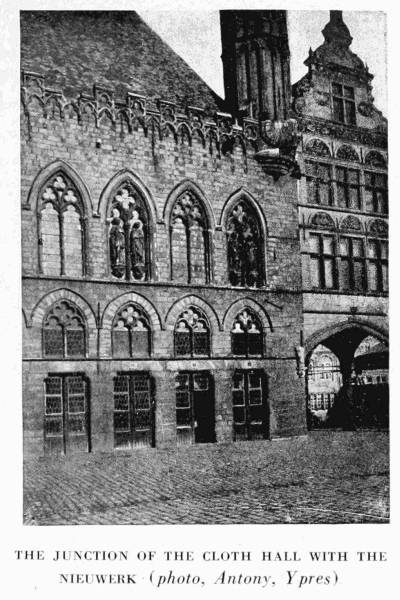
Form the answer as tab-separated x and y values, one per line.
62	253
188	257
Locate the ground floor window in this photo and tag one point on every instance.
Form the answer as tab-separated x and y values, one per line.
66	414
195	411
133	410
250	411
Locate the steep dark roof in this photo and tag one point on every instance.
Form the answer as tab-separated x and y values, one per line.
115	49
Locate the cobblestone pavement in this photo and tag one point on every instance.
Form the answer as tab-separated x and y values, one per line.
327	477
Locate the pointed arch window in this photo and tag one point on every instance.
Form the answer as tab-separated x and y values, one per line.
64	331
129	235
189	241
192	334
131	333
247	335
245	246
61	228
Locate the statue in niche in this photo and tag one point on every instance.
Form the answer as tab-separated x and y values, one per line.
117	244
243	240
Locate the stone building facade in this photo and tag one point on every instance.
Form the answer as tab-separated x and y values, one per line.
162	293
343	201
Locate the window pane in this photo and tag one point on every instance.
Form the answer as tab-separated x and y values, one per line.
384	250
328	245
324	172
324	193
380	180
311	191
344	246
75	342
255	343
354	198
140	343
314	272
201	342
338	114
357	247
373	276
358	275
314	243
345	274
348	92
310	167
182	342
369	200
341	195
239	343
381	203
368	178
53	342
329	279
121	342
337	89
341	174
350	113
352	176
372	249
385	279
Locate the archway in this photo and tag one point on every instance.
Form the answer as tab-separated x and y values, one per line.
347	377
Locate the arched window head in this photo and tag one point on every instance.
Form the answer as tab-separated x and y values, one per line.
129	241
131	333
61	231
64	331
245	246
189	240
247	335
192	334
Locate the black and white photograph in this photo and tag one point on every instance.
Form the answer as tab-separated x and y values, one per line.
204	275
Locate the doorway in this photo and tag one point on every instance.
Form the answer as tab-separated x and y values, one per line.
134	423
66	414
250	410
195	410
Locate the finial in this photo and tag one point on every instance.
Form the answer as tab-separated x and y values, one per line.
336	31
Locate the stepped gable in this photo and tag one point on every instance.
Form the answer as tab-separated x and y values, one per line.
116	50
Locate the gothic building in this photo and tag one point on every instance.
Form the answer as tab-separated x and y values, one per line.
343	205
162	262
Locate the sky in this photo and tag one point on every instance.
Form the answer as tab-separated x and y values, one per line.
195	36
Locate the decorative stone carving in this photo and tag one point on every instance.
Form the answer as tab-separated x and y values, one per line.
244	243
366	109
351	223
317	148
277	147
128	235
322	220
322	98
347	133
375	159
379	227
347	153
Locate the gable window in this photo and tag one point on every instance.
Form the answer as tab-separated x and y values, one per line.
348	188
189	240
322	260
192	334
246	335
61	231
131	333
343	102
128	235
64	332
318	177
376	192
245	246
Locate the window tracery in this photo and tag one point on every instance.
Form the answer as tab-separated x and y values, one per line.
131	333
64	331
61	228
247	335
192	334
189	240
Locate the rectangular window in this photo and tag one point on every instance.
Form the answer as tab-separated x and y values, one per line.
352	264
343	104
319	190
376	196
377	252
322	261
348	188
